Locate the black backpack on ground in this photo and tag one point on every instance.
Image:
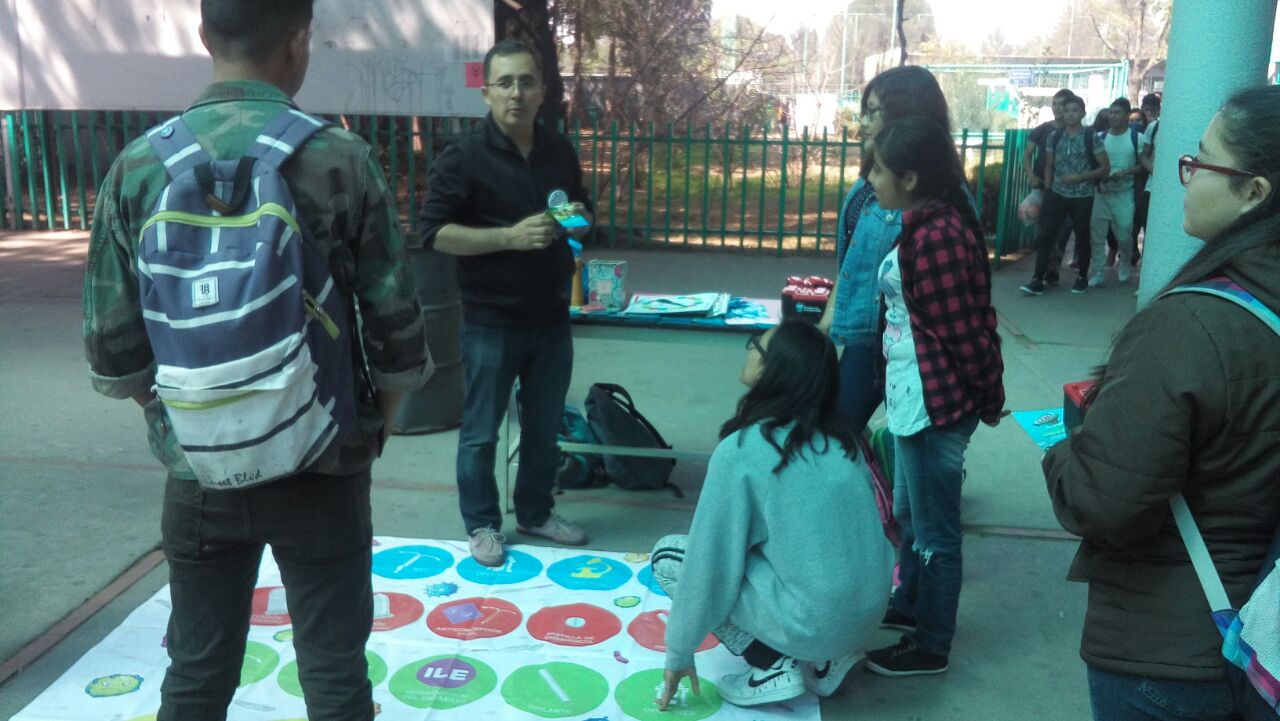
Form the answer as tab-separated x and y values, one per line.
616	422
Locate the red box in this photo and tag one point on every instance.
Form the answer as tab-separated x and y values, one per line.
806	298
1075	401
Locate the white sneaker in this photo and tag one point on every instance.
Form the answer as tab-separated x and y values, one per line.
1123	273
825	679
1097	279
557	530
486	547
782	681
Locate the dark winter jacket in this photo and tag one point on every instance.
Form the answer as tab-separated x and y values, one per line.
1190	402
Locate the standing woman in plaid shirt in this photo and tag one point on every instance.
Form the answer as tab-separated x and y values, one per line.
941	375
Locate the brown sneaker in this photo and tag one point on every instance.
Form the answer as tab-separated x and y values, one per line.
486	547
558	530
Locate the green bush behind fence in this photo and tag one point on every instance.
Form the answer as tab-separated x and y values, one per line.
738	188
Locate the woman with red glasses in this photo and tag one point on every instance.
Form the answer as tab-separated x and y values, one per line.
1188	403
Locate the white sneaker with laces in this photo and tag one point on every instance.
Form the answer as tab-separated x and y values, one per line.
825	679
1097	279
1123	273
486	547
782	681
557	530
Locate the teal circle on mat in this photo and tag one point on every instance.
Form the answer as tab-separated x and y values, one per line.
518	568
404	562
589	573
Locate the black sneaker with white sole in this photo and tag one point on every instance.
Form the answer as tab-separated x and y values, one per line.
905	658
1081	285
1035	287
782	681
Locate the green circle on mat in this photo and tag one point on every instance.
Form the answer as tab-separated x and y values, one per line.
636	696
443	682
284	636
555	690
259	661
288	678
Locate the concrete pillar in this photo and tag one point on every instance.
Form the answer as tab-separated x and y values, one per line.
1215	48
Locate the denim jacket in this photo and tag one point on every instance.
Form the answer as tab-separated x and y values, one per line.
857	311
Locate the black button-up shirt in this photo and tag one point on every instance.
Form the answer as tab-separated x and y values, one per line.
481	180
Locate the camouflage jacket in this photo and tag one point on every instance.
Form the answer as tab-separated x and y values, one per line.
340	192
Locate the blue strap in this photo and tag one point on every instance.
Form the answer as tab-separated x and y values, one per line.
176	146
1229	290
283	136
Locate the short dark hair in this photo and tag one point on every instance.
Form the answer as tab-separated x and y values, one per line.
1150	100
502	49
1122	103
251	29
1063	94
1074	100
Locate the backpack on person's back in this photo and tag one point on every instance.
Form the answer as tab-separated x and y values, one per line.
251	334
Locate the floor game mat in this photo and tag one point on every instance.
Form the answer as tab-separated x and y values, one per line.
554	634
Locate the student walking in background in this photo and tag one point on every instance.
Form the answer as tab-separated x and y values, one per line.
942	373
1113	203
1075	161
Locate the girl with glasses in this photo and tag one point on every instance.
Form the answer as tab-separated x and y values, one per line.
786	563
1188	403
864	232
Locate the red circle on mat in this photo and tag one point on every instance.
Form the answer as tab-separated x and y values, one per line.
397	610
471	618
649	629
269	607
577	624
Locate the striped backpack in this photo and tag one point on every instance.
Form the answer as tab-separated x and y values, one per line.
252	341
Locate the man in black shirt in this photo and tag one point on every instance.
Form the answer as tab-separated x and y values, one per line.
487	203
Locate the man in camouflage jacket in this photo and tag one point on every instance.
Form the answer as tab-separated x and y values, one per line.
317	521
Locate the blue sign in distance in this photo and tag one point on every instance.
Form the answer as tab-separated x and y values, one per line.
589	573
518	568
404	562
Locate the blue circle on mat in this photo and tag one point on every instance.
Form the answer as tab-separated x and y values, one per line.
519	567
589	573
411	562
646	577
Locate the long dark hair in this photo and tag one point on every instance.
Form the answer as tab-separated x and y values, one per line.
905	91
798	384
1250	124
917	144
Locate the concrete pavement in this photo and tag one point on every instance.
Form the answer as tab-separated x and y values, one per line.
80	494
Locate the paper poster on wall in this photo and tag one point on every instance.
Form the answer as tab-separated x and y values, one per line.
553	633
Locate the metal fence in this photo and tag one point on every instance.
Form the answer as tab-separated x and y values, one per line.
740	188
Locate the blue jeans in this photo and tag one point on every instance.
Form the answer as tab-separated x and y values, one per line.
926	502
1122	697
320	532
858	397
542	358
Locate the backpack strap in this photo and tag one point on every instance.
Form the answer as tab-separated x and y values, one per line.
1214	591
283	135
177	146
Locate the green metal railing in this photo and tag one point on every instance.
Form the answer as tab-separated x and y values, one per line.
1012	234
739	188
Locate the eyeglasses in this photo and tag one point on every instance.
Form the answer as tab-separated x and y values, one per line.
1189	164
753	343
518	86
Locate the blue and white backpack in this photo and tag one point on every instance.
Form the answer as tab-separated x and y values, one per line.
252	341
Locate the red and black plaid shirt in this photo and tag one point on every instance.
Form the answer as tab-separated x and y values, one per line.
946	283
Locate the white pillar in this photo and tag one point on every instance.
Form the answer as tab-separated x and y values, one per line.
1215	48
